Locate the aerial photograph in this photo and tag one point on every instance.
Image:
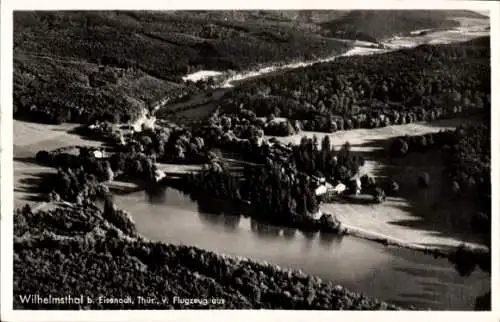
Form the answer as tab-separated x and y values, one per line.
252	159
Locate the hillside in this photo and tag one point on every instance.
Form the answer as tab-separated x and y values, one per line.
337	95
108	65
77	66
465	14
84	251
370	25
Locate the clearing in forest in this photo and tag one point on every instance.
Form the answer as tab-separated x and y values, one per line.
428	217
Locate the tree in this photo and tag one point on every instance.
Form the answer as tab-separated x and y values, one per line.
109	206
43	157
455	97
378	195
296	126
117	161
424	180
367	182
483	303
138	169
326	145
312	201
85	152
109	172
399	147
200	143
54	196
394	187
422	143
63	185
464	260
79	199
346	147
146	141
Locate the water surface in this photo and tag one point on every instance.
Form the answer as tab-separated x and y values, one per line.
396	275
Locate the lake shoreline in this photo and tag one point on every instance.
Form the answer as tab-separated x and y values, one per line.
383	235
226	254
175	219
443	251
199	265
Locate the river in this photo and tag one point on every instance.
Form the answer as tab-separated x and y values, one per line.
396	275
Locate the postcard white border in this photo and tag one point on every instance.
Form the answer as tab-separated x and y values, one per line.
6	176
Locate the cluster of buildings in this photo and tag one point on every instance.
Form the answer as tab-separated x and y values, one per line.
326	189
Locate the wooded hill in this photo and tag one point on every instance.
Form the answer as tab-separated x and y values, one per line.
80	66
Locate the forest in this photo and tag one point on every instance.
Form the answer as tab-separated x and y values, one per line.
282	190
373	26
80	178
276	196
467	155
104	68
419	84
87	66
80	249
170	144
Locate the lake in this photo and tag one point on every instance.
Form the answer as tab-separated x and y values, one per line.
396	275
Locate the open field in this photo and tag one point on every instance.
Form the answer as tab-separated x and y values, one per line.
368	140
201	105
29	138
428	217
116	226
471	21
422	217
459	34
416	216
178	168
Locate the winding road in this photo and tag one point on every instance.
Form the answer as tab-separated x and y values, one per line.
203	104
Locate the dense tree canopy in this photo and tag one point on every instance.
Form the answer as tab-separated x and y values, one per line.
82	66
79	250
467	155
418	84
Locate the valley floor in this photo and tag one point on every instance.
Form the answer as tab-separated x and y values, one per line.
417	218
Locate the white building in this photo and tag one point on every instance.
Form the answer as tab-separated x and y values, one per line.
321	190
98	154
159	175
340	188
